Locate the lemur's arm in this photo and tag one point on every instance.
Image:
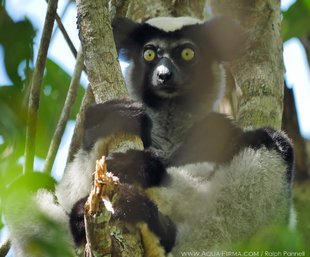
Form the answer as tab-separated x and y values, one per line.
113	117
218	139
134	167
124	116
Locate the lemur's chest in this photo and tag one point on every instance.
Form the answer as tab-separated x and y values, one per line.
170	126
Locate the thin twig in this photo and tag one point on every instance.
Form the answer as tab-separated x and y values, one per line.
5	247
62	15
66	111
36	84
66	36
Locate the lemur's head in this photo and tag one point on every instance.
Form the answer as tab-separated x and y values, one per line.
176	58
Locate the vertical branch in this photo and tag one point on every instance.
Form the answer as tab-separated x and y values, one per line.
76	141
103	69
66	111
107	82
34	98
259	72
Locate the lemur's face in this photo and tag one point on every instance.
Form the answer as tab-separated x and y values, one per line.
169	65
176	57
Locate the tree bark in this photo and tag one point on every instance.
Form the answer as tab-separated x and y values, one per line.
106	81
103	69
259	71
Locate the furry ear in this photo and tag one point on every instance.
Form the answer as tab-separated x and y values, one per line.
225	36
123	29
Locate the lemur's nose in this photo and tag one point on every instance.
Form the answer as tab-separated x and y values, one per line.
164	76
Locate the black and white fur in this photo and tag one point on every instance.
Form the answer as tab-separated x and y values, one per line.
204	180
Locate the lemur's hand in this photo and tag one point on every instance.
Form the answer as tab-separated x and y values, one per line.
136	167
113	117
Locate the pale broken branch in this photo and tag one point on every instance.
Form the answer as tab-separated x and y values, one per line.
98	210
106	238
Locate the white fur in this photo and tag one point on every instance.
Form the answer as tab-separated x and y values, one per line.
25	222
170	24
215	206
77	180
75	185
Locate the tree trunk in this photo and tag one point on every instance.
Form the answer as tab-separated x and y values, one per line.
106	82
259	71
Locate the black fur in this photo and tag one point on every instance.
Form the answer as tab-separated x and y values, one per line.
76	222
115	116
137	167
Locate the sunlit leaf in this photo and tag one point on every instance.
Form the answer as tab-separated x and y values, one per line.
32	182
296	20
17	41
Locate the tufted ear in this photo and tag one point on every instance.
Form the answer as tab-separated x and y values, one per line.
225	36
123	29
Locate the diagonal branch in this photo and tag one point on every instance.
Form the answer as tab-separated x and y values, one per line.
66	36
36	84
66	111
5	247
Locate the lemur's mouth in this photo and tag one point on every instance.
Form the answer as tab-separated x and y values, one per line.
166	89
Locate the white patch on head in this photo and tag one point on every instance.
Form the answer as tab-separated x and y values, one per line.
169	24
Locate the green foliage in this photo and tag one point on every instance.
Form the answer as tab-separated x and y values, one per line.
302	206
273	239
22	209
296	20
16	39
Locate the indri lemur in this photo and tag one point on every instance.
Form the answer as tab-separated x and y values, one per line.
202	180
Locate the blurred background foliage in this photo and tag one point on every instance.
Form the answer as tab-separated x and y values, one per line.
296	20
17	42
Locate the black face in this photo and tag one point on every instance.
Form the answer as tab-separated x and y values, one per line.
170	65
180	64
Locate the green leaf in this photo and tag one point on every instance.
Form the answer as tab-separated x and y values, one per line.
296	20
32	182
17	41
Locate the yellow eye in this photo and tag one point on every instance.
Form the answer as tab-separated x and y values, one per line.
188	54
149	55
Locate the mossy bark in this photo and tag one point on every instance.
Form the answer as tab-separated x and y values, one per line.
259	71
